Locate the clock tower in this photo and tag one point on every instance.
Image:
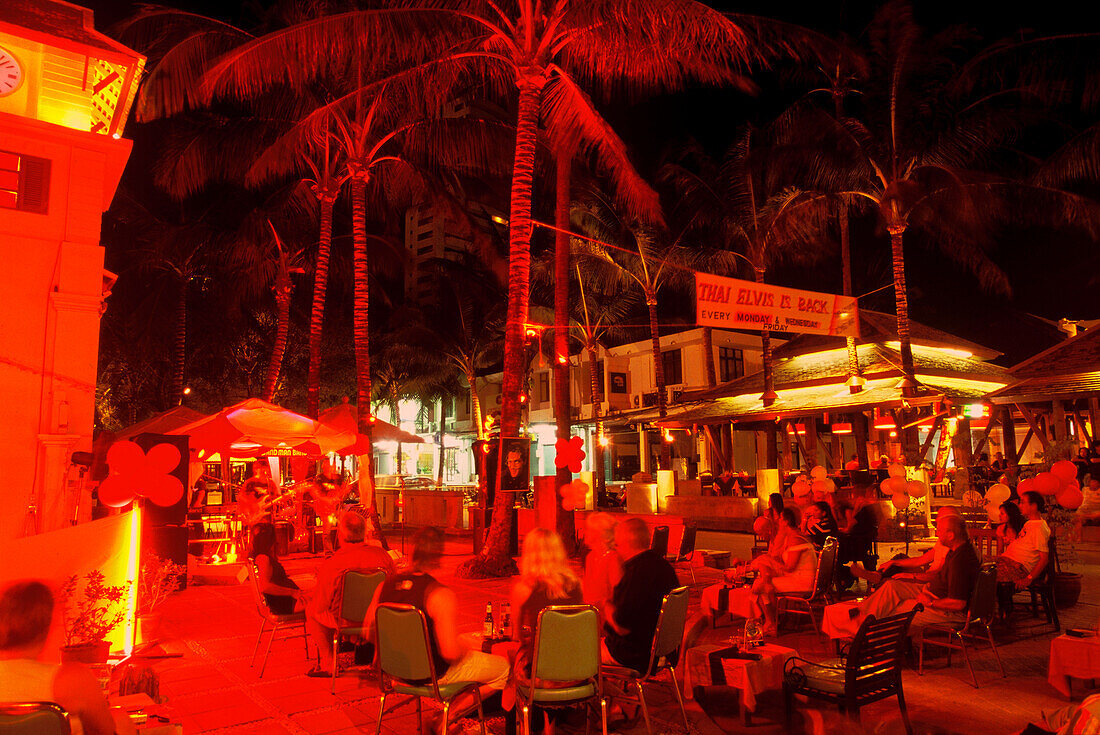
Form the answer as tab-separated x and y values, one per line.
65	93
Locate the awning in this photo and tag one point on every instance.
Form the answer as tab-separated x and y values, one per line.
247	428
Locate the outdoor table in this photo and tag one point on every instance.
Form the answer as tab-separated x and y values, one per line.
148	717
710	665
1078	658
505	647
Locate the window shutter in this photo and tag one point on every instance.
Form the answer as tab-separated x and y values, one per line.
34	195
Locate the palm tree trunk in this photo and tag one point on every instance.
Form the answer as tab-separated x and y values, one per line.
317	313
562	410
769	395
361	338
494	559
179	357
855	379
475	407
901	302
664	460
442	449
708	356
283	289
597	417
395	417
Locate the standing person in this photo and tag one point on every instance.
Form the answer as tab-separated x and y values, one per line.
1082	463
354	553
327	491
280	592
603	567
999	464
26	611
545	579
631	614
453	661
856	542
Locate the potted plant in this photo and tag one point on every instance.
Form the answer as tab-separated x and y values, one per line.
159	579
91	609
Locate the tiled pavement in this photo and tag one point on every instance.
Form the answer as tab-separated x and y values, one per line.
212	688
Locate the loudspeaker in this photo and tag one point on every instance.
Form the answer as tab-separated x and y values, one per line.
173	515
167	542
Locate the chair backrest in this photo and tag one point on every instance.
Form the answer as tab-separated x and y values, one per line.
660	540
826	567
257	596
874	658
687	543
669	634
1053	566
33	718
357	589
983	600
567	643
403	648
986	542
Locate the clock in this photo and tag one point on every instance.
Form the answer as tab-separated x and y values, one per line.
11	73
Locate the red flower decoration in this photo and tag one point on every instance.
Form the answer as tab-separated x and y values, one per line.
570	453
137	474
573	495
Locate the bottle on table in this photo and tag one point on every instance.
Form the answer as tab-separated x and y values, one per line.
505	619
488	629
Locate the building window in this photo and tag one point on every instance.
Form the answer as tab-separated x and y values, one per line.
544	387
466	405
24	182
673	366
731	363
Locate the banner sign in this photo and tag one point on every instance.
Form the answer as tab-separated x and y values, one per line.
734	304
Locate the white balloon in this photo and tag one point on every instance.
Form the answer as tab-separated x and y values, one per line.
819	473
997	494
896	470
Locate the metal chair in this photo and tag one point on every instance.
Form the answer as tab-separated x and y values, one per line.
357	588
987	543
277	621
687	551
660	541
871	671
819	595
667	639
982	608
33	718
405	664
1042	589
567	651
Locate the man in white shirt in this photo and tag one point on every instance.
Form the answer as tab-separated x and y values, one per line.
1034	553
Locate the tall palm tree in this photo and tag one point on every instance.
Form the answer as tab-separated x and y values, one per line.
630	254
912	149
743	205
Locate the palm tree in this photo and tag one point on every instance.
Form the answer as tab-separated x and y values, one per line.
630	254
547	53
912	153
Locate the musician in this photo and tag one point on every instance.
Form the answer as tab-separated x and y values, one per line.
328	493
256	497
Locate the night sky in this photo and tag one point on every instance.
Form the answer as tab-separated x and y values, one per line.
1051	276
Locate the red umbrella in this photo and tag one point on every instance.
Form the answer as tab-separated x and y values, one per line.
247	428
338	431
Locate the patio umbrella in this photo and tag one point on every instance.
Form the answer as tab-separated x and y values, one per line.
247	428
338	431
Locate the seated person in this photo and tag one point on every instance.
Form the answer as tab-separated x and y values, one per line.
282	595
1073	719
453	661
602	566
26	611
917	569
945	596
631	614
354	553
1026	555
545	579
818	524
1089	512
794	571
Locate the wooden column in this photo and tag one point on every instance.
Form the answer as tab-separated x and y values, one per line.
1094	416
1058	420
785	461
1008	435
859	431
771	456
811	442
963	457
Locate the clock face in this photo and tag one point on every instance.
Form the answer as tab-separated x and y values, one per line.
11	73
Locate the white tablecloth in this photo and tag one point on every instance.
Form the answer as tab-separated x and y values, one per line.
750	677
